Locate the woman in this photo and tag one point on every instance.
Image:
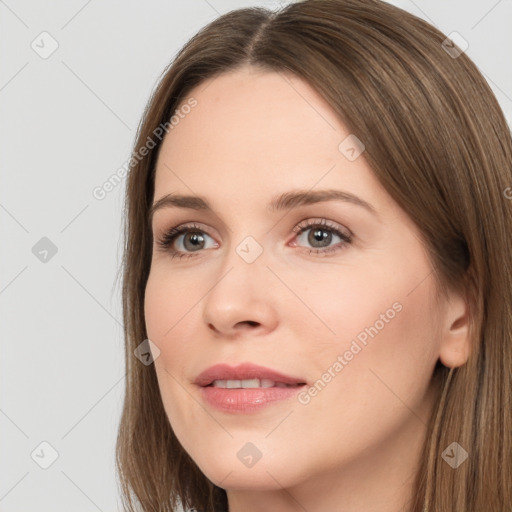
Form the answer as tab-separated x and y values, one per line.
317	272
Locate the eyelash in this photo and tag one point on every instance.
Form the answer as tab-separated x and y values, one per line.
167	239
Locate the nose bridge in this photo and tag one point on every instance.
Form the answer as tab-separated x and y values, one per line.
240	292
244	262
244	240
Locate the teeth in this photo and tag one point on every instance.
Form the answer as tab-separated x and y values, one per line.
267	383
249	383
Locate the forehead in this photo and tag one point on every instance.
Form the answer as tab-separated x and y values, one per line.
254	134
238	114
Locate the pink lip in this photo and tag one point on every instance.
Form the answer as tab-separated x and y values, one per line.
243	371
244	400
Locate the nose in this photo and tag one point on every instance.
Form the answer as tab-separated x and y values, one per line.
240	298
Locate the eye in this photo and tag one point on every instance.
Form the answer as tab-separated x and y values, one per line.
191	238
321	236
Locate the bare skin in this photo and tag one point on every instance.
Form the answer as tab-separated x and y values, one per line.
355	444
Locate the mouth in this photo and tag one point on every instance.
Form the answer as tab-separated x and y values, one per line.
246	376
247	388
252	384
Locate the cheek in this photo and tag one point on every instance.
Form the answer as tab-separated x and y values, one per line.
167	300
372	334
386	336
337	305
162	327
172	316
156	309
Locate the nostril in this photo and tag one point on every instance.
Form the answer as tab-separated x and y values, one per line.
212	327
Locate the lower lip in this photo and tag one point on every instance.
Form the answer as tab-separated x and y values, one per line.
246	399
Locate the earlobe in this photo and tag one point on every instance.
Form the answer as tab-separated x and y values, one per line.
455	343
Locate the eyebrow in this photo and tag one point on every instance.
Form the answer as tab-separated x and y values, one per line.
285	201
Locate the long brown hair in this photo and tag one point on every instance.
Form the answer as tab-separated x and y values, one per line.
439	143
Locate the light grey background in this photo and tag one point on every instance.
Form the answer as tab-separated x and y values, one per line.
67	124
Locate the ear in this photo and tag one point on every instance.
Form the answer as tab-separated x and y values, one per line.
455	343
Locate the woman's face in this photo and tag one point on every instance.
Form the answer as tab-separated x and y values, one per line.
346	307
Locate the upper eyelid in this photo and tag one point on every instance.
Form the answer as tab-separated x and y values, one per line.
298	228
310	220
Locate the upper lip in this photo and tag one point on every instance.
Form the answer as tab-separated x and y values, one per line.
241	372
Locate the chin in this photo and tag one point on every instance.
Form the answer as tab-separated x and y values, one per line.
230	474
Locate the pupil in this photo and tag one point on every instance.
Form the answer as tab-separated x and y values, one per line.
195	239
319	235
